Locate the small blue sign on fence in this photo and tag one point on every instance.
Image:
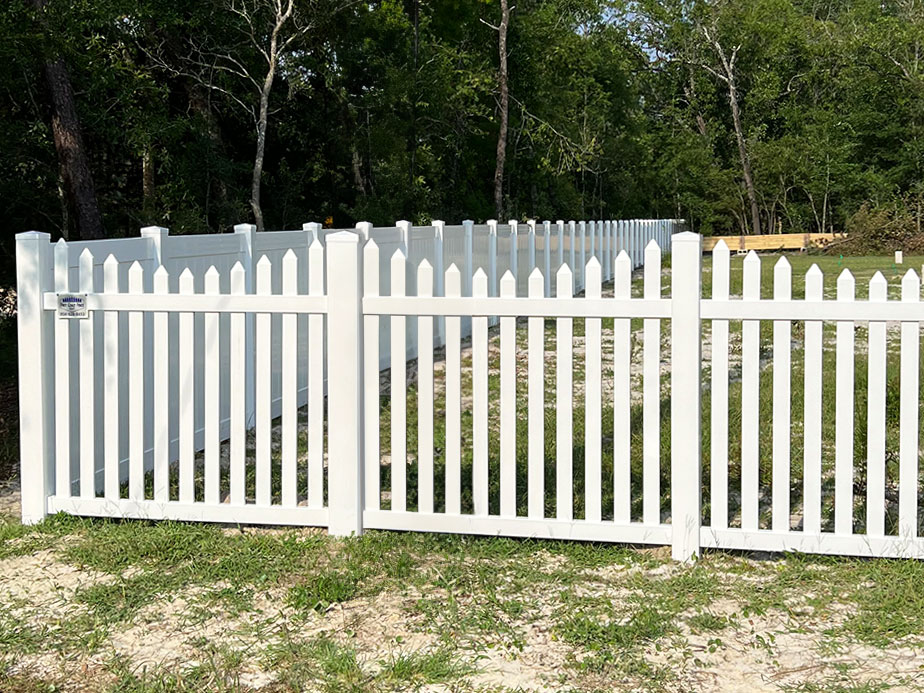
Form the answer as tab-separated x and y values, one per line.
72	306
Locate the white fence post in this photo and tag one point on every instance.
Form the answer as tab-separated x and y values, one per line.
468	225
247	232
344	402
157	234
514	250
686	336
36	395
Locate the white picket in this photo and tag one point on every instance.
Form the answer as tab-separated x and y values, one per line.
593	343
453	398
372	385
651	393
782	329
750	399
560	229
547	256
289	433
425	395
909	403
237	386
843	412
876	414
536	404
63	423
508	404
582	248
263	356
111	383
136	360
87	385
814	291
161	413
398	381
187	361
564	401
718	443
316	356
480	398
622	404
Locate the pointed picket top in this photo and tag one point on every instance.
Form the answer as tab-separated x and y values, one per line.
751	280
186	281
536	284
782	279
814	284
878	287
60	246
212	280
453	281
264	261
720	247
911	286
593	262
85	256
652	245
424	278
623	258
370	255
398	256
480	283
238	278
290	255
846	286
161	274
136	278
564	282
111	274
508	284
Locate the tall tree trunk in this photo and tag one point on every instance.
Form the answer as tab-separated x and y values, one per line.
257	178
69	145
147	180
504	105
743	154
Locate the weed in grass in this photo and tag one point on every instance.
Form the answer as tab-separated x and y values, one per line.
320	591
707	622
414	669
319	664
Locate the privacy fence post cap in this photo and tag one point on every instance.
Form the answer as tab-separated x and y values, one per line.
343	237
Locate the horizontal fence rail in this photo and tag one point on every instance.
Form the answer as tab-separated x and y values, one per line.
504	379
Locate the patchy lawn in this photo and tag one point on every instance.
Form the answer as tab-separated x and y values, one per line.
133	606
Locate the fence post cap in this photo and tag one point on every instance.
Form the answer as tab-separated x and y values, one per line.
154	230
688	236
342	237
244	228
32	236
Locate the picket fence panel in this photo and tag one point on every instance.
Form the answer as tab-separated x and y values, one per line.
149	406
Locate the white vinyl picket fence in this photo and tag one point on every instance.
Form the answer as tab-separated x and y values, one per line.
161	403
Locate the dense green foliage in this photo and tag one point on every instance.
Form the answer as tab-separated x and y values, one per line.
387	110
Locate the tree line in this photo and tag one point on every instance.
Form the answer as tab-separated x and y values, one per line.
742	117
